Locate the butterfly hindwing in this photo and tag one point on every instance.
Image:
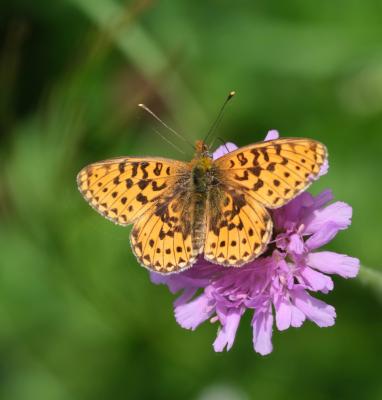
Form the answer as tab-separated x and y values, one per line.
273	172
123	189
162	239
238	229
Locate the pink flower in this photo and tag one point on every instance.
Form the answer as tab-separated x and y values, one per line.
277	285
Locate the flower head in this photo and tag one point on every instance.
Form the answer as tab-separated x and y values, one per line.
277	285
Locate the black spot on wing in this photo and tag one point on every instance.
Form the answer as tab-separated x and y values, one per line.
156	187
271	167
134	170
258	185
141	198
265	154
242	159
142	184
255	170
158	168
121	167
144	165
243	177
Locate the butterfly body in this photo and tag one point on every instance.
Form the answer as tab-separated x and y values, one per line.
205	191
216	207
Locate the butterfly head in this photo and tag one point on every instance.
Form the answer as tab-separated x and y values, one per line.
201	149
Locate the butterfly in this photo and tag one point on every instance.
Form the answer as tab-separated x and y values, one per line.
216	207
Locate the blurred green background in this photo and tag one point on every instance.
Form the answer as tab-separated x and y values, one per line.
79	319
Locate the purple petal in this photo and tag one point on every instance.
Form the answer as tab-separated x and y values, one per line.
196	277
333	263
316	281
272	135
192	314
283	314
187	295
224	149
300	210
201	273
316	310
324	169
296	245
323	236
289	215
338	213
298	317
227	333
174	282
158	279
262	323
323	198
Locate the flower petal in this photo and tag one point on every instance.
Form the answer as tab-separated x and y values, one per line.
272	135
338	213
323	236
324	169
298	317
174	282
262	323
187	295
224	149
316	310
283	313
227	333
316	281
288	216
334	263
197	277
158	279
300	210
322	198
192	314
296	245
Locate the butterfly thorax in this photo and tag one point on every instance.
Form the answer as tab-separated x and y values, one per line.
203	173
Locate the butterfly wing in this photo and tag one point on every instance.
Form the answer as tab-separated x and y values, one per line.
123	189
163	239
251	179
273	172
238	228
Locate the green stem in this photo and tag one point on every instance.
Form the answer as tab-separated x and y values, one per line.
372	278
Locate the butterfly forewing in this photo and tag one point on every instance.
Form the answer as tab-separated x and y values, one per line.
274	172
123	189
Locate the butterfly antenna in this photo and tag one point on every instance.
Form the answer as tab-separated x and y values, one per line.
174	132
224	143
220	115
169	141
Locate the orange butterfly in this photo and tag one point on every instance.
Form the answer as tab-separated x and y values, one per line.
216	207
